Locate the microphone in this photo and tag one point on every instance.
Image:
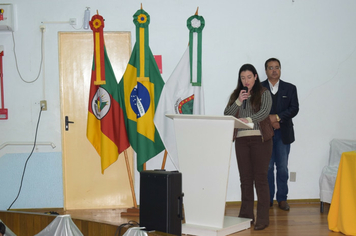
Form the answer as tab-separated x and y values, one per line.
244	102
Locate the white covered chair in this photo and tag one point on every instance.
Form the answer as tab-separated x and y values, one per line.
329	172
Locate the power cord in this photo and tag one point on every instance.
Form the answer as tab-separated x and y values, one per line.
17	67
24	169
130	224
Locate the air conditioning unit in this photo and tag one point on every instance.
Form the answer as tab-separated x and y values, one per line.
6	17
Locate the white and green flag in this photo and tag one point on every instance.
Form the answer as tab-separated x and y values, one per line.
183	91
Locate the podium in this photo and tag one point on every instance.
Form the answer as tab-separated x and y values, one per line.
204	145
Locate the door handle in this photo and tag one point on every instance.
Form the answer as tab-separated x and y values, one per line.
67	122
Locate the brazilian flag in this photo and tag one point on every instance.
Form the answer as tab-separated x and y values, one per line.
140	90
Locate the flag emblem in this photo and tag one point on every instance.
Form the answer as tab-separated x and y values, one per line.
140	100
101	103
185	106
142	18
97	23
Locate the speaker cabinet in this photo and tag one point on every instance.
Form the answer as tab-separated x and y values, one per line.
161	200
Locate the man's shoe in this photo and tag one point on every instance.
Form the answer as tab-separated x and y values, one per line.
260	227
284	205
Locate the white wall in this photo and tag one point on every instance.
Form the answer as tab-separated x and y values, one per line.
315	41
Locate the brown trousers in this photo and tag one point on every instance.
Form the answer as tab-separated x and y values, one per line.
253	158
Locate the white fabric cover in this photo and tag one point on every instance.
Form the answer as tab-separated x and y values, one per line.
135	231
329	172
8	231
62	225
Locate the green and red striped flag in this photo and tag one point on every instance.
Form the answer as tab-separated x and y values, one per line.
105	127
140	90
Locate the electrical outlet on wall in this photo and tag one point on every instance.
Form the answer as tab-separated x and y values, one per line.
293	177
43	104
73	21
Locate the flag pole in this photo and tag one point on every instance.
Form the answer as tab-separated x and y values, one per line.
130	178
164	159
131	211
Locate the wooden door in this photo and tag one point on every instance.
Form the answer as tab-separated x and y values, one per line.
84	185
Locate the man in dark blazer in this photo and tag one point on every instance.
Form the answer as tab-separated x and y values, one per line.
285	106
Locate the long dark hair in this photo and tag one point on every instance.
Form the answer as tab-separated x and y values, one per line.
255	91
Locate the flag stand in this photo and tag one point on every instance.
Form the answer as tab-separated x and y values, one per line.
134	211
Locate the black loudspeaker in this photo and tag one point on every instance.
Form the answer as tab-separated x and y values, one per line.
161	200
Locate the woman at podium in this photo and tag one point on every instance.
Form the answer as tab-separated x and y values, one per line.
251	103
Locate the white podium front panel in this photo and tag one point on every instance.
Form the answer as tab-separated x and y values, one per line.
204	149
204	146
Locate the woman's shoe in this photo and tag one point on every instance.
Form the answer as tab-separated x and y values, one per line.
260	227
